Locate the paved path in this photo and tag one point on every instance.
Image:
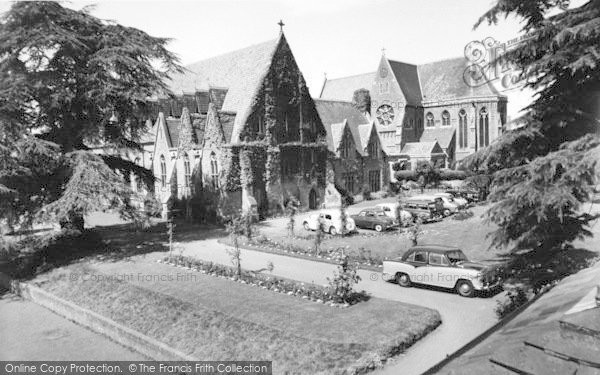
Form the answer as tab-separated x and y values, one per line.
32	333
462	318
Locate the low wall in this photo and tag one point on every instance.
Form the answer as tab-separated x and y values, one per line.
125	336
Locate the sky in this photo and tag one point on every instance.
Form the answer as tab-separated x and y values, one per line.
333	37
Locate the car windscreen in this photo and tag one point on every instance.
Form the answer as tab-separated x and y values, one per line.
456	256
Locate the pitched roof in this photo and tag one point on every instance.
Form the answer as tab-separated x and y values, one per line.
420	149
227	121
407	76
546	338
239	72
172	128
443	135
336	133
343	88
444	80
364	131
354	130
335	111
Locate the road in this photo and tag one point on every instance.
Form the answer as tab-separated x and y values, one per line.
462	318
32	333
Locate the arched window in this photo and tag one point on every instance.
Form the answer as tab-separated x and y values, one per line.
484	128
429	120
462	129
446	118
214	170
187	171
163	171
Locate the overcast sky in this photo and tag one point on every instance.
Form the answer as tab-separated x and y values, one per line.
337	37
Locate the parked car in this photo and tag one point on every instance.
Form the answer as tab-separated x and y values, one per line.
331	222
441	266
424	208
374	218
460	202
395	211
471	196
449	207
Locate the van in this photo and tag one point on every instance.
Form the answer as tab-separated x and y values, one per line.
426	208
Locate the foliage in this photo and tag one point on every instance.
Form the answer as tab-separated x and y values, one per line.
366	192
39	253
517	297
292	208
427	174
463	215
544	172
319	234
481	183
342	282
234	228
415	231
64	73
444	175
361	100
347	197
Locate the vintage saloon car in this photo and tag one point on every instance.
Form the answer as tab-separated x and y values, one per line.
442	266
374	218
330	221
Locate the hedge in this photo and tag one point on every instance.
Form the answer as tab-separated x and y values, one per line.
445	175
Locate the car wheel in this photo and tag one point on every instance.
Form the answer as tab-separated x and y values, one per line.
403	280
378	228
447	212
332	230
306	226
465	288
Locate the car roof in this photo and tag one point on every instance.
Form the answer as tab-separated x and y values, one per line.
434	248
372	209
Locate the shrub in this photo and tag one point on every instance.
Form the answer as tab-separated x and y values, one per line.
366	192
152	206
347	197
450	174
463	215
342	282
39	253
406	175
517	297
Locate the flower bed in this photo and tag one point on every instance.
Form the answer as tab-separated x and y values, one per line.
312	292
362	257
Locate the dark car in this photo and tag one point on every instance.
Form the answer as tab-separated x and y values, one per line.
426	208
374	218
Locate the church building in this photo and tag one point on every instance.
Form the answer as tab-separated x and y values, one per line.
429	103
241	131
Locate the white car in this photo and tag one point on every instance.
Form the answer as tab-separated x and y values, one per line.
395	211
331	222
461	202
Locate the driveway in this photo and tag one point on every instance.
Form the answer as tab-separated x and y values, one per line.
462	318
32	333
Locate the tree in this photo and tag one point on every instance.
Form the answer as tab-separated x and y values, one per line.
427	173
69	80
344	279
235	228
544	172
292	208
361	100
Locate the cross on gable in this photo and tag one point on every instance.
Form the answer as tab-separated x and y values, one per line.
281	24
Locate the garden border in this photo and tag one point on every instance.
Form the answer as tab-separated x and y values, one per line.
313	258
125	336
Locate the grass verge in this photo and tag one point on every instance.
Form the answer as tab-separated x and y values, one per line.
215	319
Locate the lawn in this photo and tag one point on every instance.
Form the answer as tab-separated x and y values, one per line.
470	235
215	319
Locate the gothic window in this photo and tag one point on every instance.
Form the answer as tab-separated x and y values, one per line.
430	121
261	125
214	171
420	124
374	180
373	149
384	87
484	127
462	129
385	114
163	171
348	181
187	171
346	148
411	124
445	118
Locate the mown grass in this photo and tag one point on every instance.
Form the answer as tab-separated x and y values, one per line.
470	235
216	319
